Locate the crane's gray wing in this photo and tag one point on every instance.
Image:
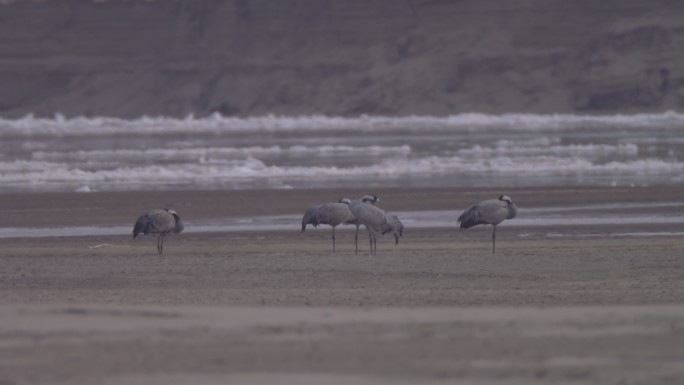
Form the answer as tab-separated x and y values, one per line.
369	215
334	214
492	212
156	221
162	221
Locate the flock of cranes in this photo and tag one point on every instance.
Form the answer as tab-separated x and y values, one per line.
359	212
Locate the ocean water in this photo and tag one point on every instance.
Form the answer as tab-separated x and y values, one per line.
467	150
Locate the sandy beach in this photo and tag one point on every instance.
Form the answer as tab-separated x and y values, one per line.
569	304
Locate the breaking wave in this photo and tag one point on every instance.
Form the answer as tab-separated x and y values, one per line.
226	152
218	124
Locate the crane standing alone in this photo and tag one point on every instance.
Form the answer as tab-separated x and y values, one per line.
160	222
489	212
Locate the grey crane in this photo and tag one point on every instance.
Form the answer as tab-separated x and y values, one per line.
489	212
376	220
333	214
160	222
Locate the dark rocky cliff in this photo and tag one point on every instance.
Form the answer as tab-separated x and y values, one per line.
382	57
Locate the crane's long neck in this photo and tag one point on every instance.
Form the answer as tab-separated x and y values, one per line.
512	211
179	223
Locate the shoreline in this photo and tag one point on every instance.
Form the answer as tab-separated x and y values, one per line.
106	208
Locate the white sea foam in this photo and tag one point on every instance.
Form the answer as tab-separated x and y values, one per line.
217	124
162	154
459	150
507	148
41	172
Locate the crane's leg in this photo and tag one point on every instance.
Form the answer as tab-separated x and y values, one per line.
356	240
370	239
375	244
494	240
159	244
333	239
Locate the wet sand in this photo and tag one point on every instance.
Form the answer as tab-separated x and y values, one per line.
590	306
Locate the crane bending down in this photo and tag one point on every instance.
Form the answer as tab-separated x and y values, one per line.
489	212
333	214
160	222
394	226
376	220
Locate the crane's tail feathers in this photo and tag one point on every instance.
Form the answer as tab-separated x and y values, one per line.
142	225
469	224
309	217
312	222
470	218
